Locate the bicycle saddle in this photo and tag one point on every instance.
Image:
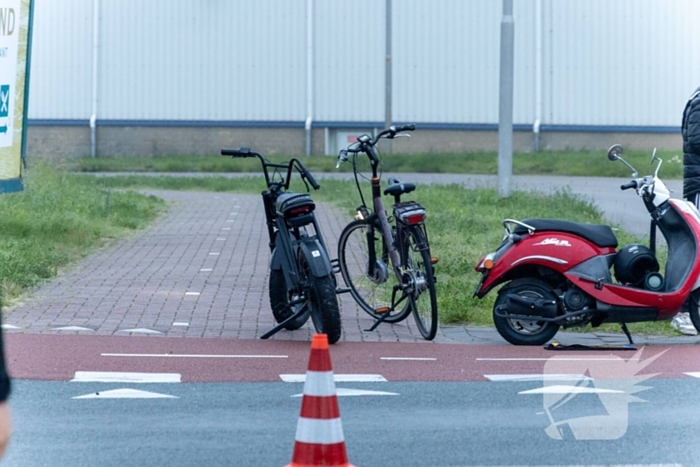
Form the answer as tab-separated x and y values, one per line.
396	187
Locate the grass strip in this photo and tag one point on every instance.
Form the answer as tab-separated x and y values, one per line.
59	218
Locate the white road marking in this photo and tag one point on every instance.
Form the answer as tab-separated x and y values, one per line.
125	394
234	213
206	270
181	324
191	293
173	355
538	377
73	328
570	359
694	374
213	254
338	378
229	220
10	326
340	392
123	377
570	390
420	359
221	239
141	331
226	228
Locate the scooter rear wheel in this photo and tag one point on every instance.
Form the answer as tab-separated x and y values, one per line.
523	331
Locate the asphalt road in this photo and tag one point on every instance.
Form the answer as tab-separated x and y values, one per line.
417	424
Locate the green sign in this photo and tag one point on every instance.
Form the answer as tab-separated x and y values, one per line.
15	46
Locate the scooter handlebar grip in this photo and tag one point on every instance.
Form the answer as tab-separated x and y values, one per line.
627	186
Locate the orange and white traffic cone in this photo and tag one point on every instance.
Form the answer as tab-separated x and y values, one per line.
319	438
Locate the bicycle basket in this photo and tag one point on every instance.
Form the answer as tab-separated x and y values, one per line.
409	213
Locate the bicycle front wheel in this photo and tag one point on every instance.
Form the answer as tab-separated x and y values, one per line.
371	287
416	258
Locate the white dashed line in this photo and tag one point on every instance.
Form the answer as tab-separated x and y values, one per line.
205	270
694	374
122	377
419	359
221	239
213	254
226	228
569	359
181	324
170	355
338	378
191	293
10	326
539	377
357	392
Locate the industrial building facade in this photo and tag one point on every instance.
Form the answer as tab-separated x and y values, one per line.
191	76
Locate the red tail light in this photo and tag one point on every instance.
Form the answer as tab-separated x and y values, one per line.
299	210
415	218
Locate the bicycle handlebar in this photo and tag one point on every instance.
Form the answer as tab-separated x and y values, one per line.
303	171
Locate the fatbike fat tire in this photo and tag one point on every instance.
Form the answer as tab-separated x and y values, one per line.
323	303
506	327
279	301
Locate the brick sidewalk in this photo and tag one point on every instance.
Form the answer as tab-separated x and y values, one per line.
204	263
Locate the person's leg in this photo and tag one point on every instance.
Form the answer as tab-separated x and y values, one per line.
682	321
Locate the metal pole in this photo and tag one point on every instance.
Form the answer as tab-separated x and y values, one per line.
309	73
538	74
95	70
387	76
505	107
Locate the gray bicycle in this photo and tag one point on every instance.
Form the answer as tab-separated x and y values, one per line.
387	266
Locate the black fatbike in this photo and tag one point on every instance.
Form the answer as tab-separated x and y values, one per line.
302	282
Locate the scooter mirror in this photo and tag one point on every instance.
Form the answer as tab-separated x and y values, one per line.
653	156
615	152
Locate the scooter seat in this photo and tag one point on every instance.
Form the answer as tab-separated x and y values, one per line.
601	235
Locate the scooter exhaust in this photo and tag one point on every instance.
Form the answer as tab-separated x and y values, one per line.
531	306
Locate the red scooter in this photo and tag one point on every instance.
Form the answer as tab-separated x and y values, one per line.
557	272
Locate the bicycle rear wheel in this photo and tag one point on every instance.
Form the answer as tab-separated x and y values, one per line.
371	292
416	258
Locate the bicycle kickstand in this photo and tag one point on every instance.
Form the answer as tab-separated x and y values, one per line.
281	325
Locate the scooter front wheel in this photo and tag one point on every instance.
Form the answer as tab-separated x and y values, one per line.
519	331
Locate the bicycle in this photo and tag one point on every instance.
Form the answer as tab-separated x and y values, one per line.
302	282
370	243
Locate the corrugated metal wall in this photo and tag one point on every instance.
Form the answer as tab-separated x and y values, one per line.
627	62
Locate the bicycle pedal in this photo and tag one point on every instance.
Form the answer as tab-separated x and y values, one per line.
382	310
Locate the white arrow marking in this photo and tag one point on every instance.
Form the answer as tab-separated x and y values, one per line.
170	355
119	377
126	394
10	326
73	328
338	378
357	392
570	390
140	331
538	377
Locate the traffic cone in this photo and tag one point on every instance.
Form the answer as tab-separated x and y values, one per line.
319	439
